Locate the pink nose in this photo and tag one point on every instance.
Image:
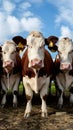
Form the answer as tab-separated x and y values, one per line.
36	62
8	63
65	66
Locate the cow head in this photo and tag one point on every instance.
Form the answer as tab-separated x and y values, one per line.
65	52
35	45
9	52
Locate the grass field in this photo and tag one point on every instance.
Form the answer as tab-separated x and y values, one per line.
53	89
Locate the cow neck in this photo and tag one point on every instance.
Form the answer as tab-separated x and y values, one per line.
8	84
7	74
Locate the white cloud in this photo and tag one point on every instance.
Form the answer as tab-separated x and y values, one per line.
8	6
14	24
64	17
25	5
36	1
11	24
31	24
65	32
28	14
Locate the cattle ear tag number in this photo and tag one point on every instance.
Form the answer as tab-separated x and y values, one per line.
51	44
20	45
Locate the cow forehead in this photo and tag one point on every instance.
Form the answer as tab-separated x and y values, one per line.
9	46
35	38
65	45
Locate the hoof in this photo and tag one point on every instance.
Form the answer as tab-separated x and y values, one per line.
26	115
14	105
60	106
2	105
44	114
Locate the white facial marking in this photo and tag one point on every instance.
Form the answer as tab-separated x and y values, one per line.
35	42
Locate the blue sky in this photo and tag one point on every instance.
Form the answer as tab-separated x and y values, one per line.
51	17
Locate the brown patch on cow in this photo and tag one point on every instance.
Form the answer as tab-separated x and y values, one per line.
45	97
25	70
0	60
17	67
28	97
48	68
71	71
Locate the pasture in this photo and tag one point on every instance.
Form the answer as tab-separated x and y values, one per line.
12	119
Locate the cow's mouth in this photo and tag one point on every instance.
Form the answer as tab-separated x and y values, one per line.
65	67
37	64
8	66
8	69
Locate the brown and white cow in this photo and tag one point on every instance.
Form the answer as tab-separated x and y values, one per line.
37	69
11	71
64	67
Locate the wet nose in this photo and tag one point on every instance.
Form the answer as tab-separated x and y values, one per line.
36	62
8	63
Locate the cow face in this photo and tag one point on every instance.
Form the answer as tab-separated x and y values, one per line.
65	51
35	43
8	55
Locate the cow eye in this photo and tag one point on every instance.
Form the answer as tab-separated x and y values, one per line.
41	47
29	46
13	52
4	52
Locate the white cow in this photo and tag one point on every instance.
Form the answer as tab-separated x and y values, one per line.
11	71
64	67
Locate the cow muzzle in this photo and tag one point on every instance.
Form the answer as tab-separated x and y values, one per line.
8	66
36	63
64	66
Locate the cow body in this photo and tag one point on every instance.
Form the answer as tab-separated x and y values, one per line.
64	68
37	69
11	71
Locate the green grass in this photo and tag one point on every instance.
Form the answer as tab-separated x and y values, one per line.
53	89
21	87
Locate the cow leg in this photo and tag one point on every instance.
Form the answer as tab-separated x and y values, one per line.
60	101
43	95
29	95
61	91
3	102
71	95
15	92
4	91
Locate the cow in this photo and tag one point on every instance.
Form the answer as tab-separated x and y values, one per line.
37	69
64	67
11	71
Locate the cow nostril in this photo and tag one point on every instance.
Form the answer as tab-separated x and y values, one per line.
6	63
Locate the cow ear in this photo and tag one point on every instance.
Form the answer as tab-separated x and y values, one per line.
0	49
20	41
51	42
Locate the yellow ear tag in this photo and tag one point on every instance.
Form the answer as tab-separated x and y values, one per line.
20	51
51	44
20	45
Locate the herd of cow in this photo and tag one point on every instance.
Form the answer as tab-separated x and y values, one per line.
36	68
